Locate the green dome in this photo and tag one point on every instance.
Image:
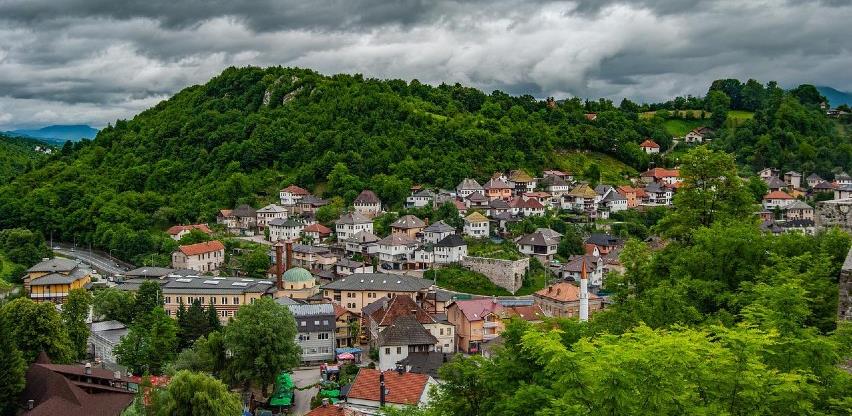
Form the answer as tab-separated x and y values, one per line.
298	274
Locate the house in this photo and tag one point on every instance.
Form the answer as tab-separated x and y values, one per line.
351	223
436	232
582	198
315	329
562	300
557	187
479	320
843	191
103	337
631	195
329	409
661	176
793	179
798	210
824	186
521	181
813	179
226	217
51	279
177	232
344	329
362	242
316	232
476	225
497	206
564	175
767	173
467	187
572	270
403	336
657	195
451	249
359	290
603	243
842	178
374	389
527	207
544	198
291	195
777	199
539	244
73	390
346	267
269	213
246	218
425	362
591	116
420	199
476	200
698	135
408	225
650	147
313	257
202	257
309	204
385	312
497	188
368	204
396	251
225	294
612	202
774	183
285	229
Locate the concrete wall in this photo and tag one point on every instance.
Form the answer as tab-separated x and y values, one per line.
507	274
834	213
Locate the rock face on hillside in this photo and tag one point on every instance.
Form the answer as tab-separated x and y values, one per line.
834	213
844	306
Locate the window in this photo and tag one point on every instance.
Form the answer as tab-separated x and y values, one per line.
316	322
168	299
399	350
325	321
224	300
212	300
236	300
322	335
303	323
387	351
442	331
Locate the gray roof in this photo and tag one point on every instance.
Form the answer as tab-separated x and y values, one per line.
469	184
60	278
439	227
304	248
775	182
553	180
793	173
272	208
549	233
217	285
286	222
364	237
814	177
498	204
424	193
353	218
601	189
601	239
452	240
379	281
477	197
313	200
376	305
405	330
284	300
426	362
398	239
55	264
537	238
149	272
244	211
312	310
797	204
614	196
654	187
316	317
497	183
352	264
408	221
110	331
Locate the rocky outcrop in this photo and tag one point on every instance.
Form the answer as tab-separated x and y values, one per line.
508	274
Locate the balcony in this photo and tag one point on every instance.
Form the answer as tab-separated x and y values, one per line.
489	337
491	324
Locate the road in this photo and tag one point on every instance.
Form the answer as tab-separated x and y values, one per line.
301	378
102	263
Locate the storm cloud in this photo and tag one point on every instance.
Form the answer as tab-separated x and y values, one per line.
79	61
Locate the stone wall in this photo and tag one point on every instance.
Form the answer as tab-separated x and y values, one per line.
844	307
508	274
837	212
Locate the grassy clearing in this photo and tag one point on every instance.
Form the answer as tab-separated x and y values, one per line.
679	128
459	279
613	171
506	250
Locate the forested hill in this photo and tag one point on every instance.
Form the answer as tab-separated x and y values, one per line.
17	155
250	131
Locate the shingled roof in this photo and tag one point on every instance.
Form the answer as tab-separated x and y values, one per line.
367	197
200	248
406	330
408	221
404	389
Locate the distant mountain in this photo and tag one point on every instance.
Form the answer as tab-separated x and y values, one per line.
835	97
59	133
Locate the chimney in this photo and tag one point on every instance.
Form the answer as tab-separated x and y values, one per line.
279	266
584	293
30	404
324	402
289	245
87	369
381	389
400	369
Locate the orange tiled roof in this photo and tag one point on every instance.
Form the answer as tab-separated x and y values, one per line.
650	144
563	292
777	195
405	388
295	190
175	229
658	173
201	248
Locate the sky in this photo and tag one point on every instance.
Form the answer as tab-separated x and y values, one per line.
95	61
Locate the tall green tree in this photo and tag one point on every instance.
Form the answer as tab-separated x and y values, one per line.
193	323
114	304
191	394
75	312
37	327
711	191
149	297
261	339
13	369
150	344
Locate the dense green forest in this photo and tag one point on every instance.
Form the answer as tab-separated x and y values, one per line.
250	131
18	155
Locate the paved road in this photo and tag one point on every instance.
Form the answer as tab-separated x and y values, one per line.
301	378
103	264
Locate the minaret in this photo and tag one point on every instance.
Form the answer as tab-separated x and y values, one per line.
584	292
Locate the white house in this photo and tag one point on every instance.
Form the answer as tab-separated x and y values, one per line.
203	257
269	213
285	229
291	195
351	223
650	147
777	199
368	204
467	187
476	225
451	249
420	199
437	231
397	249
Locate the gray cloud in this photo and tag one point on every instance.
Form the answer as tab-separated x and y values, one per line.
94	61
